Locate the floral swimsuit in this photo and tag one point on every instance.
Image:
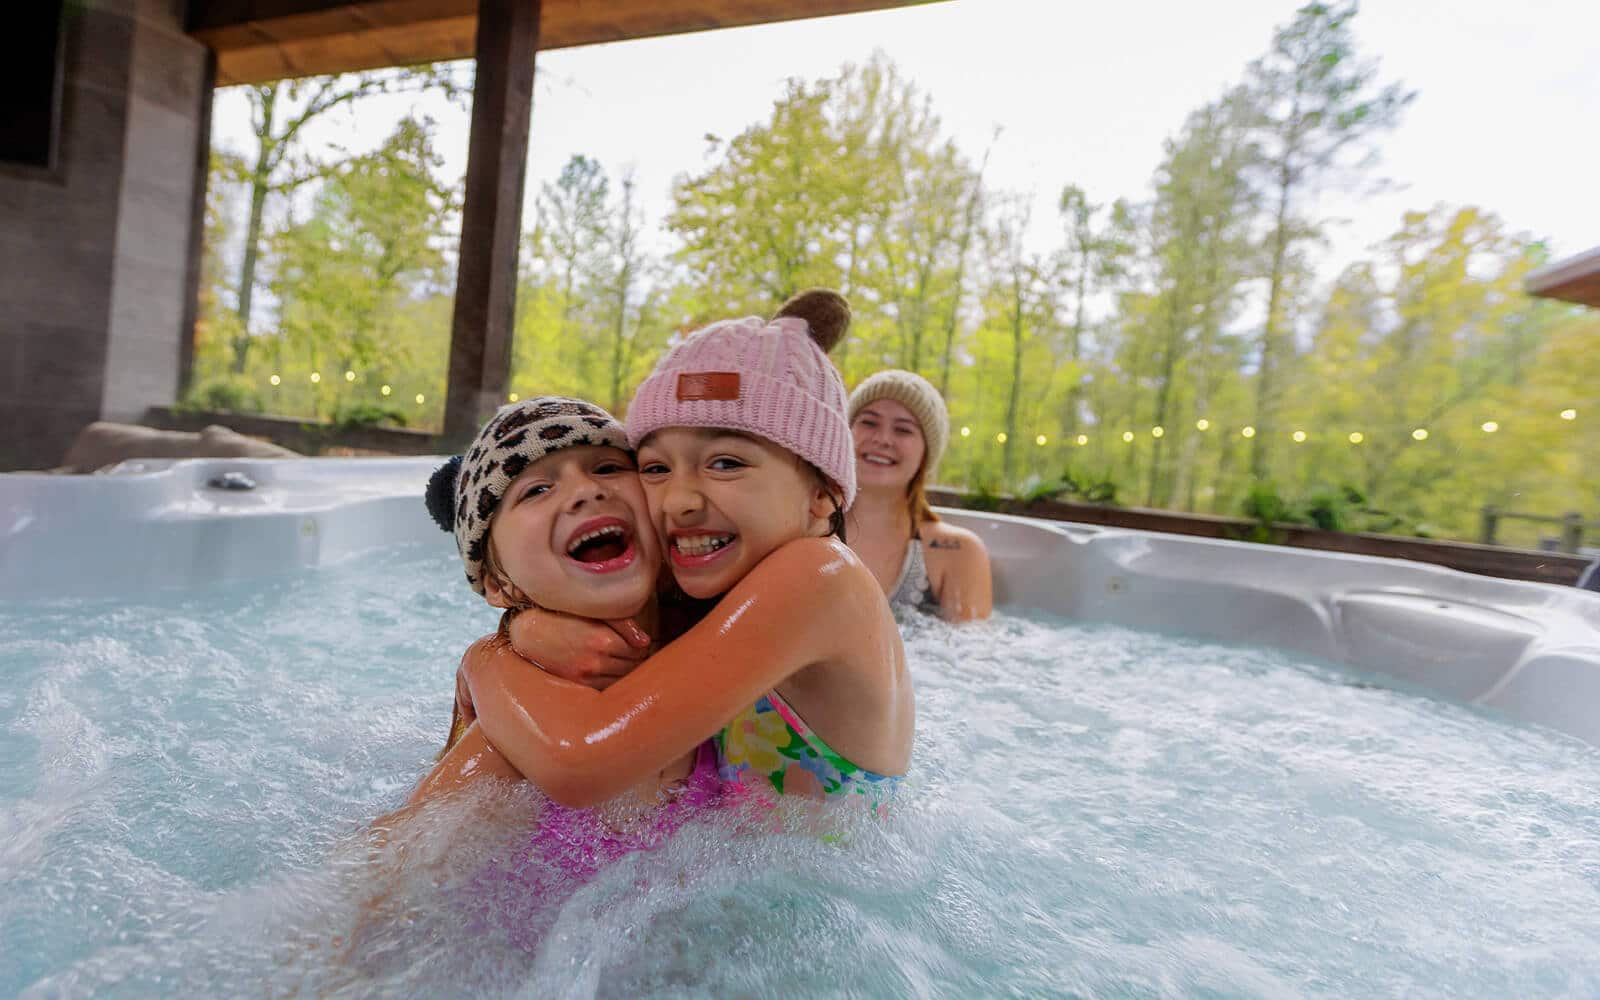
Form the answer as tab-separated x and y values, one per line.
769	741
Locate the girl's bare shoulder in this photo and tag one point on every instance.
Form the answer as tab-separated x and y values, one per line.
824	563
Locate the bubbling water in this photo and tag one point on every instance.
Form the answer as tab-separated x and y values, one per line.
186	780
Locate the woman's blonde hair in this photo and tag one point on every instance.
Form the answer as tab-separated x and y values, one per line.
917	498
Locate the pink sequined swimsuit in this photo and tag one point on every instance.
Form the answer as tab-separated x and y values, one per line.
580	843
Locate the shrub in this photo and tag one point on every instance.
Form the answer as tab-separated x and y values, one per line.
358	415
222	393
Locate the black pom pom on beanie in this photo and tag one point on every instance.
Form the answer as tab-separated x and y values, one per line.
441	493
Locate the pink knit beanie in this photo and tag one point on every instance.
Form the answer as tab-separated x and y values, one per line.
771	379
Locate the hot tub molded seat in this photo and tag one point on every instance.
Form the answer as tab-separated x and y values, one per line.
1530	650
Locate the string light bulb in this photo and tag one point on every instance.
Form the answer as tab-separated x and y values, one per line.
1420	434
1158	431
421	399
966	432
1083	439
1569	414
1356	437
1490	426
1040	440
1001	437
1299	437
1248	432
349	376
1202	424
275	380
316	377
1127	436
513	397
386	390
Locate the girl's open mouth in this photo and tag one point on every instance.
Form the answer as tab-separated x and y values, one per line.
603	545
699	549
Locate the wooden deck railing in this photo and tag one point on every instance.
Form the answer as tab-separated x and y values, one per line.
1572	526
1486	560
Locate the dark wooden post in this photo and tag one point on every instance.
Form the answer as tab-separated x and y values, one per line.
491	214
1572	533
197	228
1488	522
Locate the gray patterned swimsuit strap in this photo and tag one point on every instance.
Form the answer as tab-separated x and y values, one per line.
913	589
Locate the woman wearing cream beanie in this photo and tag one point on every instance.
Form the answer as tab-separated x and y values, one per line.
900	428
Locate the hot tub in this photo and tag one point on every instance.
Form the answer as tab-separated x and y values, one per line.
1530	651
1169	766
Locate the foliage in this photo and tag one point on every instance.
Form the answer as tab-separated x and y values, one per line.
223	393
1170	349
985	495
1090	488
365	414
1315	106
279	164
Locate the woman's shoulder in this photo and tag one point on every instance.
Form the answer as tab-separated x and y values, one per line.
958	565
943	539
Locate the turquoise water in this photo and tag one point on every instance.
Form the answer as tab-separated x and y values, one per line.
1096	812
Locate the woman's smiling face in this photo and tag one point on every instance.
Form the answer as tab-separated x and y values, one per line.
889	445
723	501
572	533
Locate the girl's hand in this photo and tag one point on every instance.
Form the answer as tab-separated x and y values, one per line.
589	652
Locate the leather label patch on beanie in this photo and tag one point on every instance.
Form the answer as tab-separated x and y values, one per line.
708	385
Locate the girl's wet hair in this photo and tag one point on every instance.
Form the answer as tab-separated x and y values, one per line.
836	520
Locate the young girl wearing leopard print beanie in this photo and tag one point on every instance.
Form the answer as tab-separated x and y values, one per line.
547	512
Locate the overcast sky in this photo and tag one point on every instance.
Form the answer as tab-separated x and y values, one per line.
1507	115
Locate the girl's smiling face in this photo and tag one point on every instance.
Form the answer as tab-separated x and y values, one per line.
572	534
723	501
889	444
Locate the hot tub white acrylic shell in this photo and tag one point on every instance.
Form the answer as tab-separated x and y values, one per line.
1531	651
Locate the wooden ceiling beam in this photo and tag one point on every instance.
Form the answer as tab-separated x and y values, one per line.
1575	279
261	40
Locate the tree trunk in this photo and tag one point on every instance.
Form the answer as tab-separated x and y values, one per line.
259	177
968	227
1069	422
1266	382
1169	364
624	279
1007	453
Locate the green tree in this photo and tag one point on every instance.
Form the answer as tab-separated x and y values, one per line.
1317	109
850	184
1202	256
590	298
370	246
627	296
1413	354
765	220
1091	255
279	164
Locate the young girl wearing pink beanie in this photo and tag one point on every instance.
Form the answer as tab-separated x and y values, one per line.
747	463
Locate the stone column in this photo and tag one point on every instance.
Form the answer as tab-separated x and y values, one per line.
98	253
